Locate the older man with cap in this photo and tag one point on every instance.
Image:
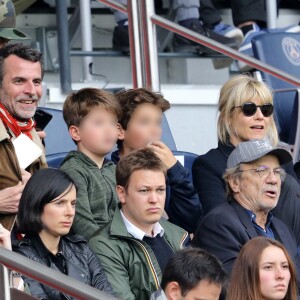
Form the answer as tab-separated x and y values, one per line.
253	178
8	29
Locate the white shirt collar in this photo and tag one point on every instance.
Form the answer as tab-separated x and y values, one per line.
138	233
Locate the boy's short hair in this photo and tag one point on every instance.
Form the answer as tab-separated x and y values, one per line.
191	265
132	98
79	104
144	159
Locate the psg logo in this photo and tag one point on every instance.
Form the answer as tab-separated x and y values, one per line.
291	49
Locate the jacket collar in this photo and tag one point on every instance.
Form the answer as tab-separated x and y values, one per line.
244	218
43	252
3	132
117	227
86	159
4	135
226	149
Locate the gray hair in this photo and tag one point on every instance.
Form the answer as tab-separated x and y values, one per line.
231	173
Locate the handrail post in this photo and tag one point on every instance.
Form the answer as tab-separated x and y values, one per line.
150	45
63	46
4	283
271	11
135	43
86	37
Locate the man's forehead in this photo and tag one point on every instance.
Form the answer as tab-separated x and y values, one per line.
21	67
142	177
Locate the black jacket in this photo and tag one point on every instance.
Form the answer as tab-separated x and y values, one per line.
80	263
208	173
225	229
182	203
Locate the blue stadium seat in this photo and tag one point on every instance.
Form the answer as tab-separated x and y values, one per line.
58	141
282	50
57	135
186	159
54	160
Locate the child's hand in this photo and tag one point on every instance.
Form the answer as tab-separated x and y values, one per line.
164	153
5	240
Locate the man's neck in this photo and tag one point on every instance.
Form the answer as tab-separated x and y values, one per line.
261	219
146	228
124	150
261	216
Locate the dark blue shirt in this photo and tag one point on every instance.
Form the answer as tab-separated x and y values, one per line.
260	231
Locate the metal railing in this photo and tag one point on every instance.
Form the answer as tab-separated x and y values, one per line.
143	46
40	273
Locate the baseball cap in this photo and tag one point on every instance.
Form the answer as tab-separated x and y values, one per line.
255	149
8	22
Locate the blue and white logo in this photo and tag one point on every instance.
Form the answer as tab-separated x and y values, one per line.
291	49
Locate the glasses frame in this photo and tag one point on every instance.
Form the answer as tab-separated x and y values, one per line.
256	106
282	172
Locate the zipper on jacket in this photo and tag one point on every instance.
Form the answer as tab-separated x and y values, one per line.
149	262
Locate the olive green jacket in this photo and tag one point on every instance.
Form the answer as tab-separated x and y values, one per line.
130	265
96	192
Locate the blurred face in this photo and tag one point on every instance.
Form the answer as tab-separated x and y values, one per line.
98	132
21	88
254	191
58	215
143	201
143	127
274	274
246	128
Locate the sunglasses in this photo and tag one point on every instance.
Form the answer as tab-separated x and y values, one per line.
249	109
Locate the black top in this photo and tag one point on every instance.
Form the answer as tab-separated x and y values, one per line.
57	259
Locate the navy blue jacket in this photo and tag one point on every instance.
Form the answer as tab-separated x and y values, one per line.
225	229
208	173
182	203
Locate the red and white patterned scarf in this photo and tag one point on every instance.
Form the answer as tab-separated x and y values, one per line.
16	127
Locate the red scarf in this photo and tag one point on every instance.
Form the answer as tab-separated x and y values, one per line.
15	126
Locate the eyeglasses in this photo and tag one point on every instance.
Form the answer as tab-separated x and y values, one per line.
264	172
249	109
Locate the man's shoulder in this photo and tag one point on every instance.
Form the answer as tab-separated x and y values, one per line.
225	209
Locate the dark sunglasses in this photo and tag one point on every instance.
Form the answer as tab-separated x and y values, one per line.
249	109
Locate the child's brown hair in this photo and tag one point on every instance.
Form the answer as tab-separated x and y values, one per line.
132	98
79	104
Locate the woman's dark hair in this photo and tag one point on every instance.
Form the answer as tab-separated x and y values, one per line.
44	186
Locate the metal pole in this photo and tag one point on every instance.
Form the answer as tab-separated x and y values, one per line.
4	283
63	45
86	37
271	11
135	43
150	45
203	40
50	277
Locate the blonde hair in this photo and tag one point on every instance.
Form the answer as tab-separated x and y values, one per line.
237	91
